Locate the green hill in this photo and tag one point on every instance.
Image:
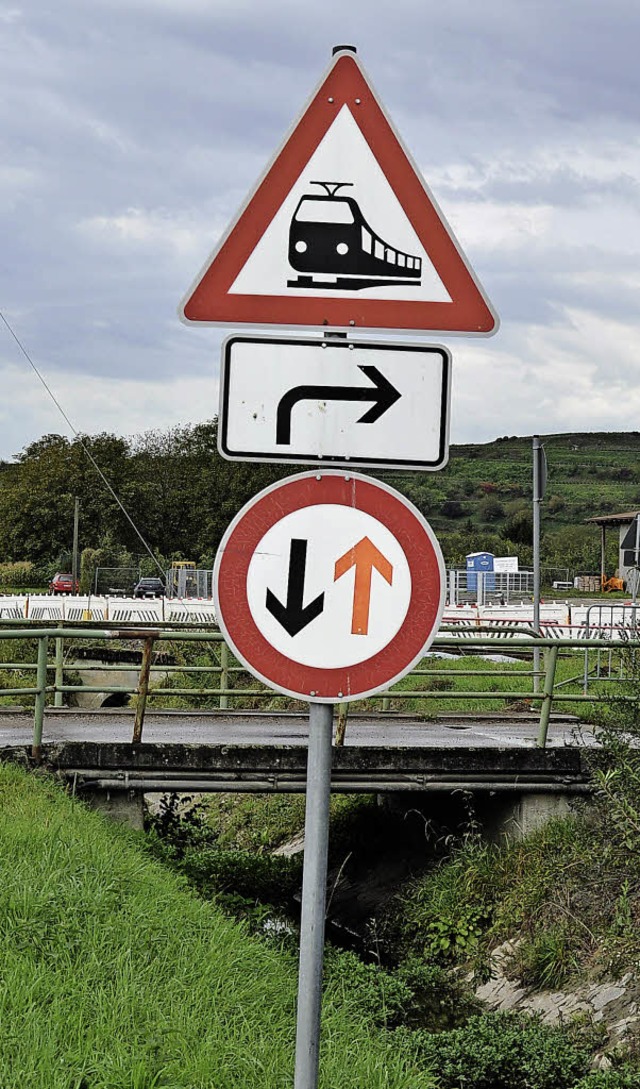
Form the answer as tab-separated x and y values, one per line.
483	498
181	495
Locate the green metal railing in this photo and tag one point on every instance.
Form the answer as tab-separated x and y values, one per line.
50	667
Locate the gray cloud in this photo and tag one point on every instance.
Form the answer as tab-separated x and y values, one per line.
131	131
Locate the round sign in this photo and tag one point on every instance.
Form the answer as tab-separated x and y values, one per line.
329	586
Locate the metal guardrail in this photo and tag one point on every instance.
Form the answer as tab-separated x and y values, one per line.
225	666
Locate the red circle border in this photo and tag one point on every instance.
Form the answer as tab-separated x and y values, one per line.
312	682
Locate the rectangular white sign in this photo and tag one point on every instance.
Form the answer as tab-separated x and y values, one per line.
505	564
335	401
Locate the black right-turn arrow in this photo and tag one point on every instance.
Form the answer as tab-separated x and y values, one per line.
382	393
292	616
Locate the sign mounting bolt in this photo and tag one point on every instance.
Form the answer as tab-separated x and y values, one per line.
329	100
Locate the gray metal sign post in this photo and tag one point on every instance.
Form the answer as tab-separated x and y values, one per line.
314	886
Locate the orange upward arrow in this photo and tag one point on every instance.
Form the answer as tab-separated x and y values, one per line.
364	557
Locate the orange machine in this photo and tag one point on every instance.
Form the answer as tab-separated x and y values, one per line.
613	583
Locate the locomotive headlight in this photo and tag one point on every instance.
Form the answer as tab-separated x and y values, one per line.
342	248
301	247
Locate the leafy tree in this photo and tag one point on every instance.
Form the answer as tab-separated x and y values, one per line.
37	500
452	508
490	509
519	527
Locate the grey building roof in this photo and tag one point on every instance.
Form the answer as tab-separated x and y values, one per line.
614	519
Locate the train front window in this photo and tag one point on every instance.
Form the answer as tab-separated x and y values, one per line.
323	211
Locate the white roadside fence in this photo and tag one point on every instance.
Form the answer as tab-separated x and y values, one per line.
118	609
617	622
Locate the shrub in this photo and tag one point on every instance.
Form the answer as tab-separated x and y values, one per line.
17	575
414	995
502	1051
625	1078
268	879
239	880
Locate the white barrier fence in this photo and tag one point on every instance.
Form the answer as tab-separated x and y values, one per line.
125	610
557	619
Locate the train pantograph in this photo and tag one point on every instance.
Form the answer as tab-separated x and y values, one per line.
331	246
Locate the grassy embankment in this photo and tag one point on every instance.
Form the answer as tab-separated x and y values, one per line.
568	897
115	976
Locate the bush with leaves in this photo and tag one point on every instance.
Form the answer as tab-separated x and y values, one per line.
625	1078
414	995
248	885
503	1051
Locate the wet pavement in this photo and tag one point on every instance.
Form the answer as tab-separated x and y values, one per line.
260	729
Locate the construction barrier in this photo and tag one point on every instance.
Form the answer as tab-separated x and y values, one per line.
557	619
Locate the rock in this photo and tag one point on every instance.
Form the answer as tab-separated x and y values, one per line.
613	1003
292	847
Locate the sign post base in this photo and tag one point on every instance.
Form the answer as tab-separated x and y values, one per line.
314	889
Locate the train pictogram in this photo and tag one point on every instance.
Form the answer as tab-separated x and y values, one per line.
332	246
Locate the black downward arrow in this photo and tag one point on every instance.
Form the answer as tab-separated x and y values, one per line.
382	393
292	616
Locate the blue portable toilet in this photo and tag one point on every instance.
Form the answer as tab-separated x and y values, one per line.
480	561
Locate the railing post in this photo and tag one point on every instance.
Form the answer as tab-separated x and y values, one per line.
547	696
41	685
143	689
341	728
224	674
59	675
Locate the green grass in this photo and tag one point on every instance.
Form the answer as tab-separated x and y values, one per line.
427	696
115	976
262	822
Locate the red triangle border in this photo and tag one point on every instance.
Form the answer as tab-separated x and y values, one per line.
209	300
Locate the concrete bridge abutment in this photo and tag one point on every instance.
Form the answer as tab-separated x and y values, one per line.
125	806
499	817
514	817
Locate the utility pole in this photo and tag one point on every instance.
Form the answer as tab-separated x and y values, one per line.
539	482
74	555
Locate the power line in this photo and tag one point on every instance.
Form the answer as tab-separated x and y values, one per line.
79	438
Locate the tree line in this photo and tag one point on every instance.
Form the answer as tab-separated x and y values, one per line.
178	492
181	495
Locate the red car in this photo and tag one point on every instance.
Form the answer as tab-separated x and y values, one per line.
64	584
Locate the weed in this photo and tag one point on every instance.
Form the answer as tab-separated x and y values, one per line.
548	958
502	1051
624	1078
180	823
455	937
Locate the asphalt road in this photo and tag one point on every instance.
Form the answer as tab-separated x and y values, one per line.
256	728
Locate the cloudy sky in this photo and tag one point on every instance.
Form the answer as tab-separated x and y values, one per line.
132	130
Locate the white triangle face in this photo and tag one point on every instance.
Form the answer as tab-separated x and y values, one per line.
400	268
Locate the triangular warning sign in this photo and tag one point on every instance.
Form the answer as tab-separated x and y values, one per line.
341	232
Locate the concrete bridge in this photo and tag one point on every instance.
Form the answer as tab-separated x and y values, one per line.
516	784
